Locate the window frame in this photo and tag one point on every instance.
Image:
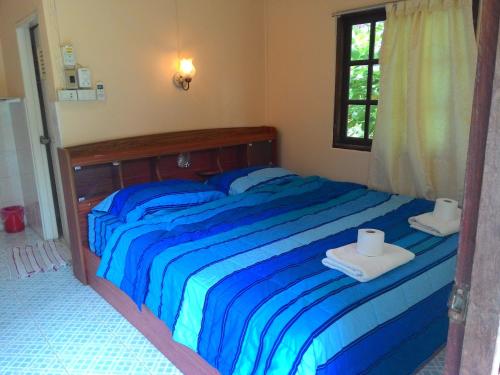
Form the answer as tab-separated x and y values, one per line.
342	76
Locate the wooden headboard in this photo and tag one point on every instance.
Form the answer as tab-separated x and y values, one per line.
91	172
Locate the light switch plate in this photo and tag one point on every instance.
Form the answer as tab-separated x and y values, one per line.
70	79
67	95
86	95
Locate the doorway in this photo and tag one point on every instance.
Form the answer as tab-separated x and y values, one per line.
35	134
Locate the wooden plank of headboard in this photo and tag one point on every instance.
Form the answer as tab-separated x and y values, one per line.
167	143
90	172
70	201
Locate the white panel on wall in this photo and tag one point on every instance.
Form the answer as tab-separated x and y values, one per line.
26	168
10	182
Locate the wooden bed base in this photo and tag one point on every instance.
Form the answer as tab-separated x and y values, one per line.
146	322
91	172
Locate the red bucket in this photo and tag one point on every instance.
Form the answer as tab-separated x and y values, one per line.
13	218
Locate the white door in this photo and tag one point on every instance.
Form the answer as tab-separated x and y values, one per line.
33	159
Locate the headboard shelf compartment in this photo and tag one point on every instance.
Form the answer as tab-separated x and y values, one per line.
92	171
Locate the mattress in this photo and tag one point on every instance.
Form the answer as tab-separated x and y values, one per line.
240	280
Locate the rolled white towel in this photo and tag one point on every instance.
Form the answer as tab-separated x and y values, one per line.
346	259
429	223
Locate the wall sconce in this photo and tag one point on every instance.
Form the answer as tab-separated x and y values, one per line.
185	74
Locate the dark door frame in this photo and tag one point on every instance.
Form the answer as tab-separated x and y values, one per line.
487	49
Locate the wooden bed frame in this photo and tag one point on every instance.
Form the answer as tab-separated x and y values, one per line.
93	171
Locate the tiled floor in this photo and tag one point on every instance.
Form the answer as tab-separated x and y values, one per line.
51	324
435	366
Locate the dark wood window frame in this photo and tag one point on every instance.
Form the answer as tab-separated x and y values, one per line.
344	25
343	64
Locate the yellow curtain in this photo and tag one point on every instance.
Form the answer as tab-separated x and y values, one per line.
428	65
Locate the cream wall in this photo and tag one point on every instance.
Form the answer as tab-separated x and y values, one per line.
300	87
133	50
258	61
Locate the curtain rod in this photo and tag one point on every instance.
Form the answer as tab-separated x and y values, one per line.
371	7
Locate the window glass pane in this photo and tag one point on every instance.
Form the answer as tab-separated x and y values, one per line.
373	119
375	82
379	31
358	80
356	121
360	41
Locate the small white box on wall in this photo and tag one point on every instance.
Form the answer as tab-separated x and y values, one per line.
68	55
86	95
84	78
67	95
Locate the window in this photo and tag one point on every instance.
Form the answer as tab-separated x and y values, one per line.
359	38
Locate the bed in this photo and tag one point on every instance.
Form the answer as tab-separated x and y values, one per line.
236	285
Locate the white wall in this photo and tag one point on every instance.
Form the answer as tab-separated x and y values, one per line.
26	167
10	181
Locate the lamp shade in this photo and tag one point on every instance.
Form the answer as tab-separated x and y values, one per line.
186	68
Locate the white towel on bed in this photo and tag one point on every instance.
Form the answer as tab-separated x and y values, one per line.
428	223
346	259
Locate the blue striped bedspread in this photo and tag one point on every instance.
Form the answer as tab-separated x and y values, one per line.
101	226
240	280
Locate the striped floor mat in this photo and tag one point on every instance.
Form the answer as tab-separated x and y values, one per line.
40	256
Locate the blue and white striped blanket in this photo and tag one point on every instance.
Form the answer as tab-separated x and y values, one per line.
240	281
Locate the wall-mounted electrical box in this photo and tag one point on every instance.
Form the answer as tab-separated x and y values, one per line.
67	95
70	81
84	78
68	55
86	95
77	79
